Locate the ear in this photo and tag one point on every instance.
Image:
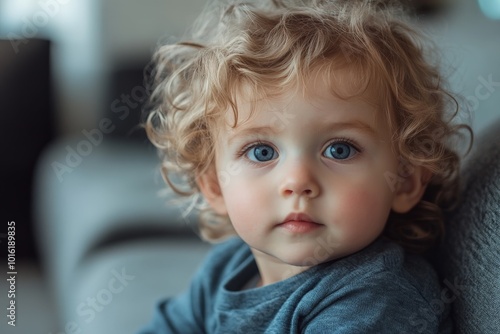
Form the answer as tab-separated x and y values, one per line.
210	188
411	190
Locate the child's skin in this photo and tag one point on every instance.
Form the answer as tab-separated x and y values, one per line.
326	162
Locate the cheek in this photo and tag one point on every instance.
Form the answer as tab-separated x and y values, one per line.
363	209
239	192
244	203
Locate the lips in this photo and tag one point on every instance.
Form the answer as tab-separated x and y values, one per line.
299	223
298	217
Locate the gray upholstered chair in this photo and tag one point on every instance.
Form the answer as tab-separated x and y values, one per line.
469	258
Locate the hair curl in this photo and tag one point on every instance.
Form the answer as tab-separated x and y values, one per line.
273	46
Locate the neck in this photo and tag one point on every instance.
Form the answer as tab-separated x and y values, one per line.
272	270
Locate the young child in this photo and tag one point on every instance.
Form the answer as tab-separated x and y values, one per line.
318	134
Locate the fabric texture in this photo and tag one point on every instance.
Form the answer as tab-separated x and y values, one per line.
380	289
470	254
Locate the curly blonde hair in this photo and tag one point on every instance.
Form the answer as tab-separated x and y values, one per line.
271	46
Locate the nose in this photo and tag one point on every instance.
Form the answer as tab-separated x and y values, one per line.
299	180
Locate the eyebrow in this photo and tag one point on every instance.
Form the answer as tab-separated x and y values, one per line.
257	130
337	126
352	125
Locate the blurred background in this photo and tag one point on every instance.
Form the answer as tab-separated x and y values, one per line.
81	181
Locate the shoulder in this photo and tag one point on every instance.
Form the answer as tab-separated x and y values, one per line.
223	260
228	251
384	260
381	288
395	274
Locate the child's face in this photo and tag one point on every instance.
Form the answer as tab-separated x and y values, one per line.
304	180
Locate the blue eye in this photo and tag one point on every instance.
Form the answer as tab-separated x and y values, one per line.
261	153
340	151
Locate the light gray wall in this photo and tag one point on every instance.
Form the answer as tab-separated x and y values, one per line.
470	43
93	36
132	28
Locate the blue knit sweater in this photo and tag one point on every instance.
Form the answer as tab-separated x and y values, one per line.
380	289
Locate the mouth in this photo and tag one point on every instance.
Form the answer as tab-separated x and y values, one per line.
299	223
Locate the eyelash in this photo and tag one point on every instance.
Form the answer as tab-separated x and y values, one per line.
244	150
347	141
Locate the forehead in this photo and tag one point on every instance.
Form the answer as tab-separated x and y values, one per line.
346	86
